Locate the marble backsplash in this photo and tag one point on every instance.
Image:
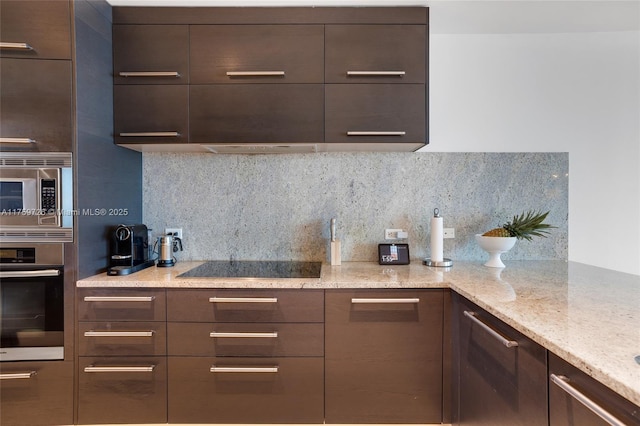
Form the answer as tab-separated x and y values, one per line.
262	207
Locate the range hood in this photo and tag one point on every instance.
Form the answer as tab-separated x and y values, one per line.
275	148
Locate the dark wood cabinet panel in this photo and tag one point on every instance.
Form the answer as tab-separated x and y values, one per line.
150	49
566	410
295	50
151	113
121	304
292	394
383	360
399	109
283	305
255	113
497	385
46	397
367	53
130	338
43	25
122	390
36	103
245	339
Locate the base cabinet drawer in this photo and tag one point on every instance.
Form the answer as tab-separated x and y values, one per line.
122	338
567	385
121	304
122	390
246	390
36	393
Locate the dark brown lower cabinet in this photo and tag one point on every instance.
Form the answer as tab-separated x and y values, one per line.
122	390
383	356
502	375
246	390
567	385
36	393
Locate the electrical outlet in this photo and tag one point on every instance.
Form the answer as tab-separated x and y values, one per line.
176	232
449	233
391	234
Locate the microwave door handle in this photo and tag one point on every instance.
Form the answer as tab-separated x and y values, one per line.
30	274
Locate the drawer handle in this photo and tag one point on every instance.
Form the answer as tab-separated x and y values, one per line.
218	334
18	46
11	376
375	73
375	133
120	369
562	383
149	134
93	333
215	369
23	141
149	74
255	73
507	342
119	298
243	300
393	300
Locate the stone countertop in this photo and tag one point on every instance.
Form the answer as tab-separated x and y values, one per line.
588	316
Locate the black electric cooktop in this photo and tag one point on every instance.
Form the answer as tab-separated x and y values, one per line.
254	269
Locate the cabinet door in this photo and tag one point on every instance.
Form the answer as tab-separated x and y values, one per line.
255	113
383	356
566	410
256	390
375	53
36	393
380	113
257	54
151	54
151	113
502	374
35	105
35	29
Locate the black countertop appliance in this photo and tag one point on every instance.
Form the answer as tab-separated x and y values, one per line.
129	250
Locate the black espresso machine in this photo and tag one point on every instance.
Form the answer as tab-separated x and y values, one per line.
129	249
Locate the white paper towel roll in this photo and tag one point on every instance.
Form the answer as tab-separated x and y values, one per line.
437	239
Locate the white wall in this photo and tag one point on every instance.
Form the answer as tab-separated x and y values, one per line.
521	76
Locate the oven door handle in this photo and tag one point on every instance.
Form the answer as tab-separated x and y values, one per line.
30	274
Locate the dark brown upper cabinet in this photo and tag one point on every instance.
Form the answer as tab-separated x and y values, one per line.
151	113
151	54
375	53
35	29
243	54
36	105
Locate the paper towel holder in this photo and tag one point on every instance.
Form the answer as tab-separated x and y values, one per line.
445	262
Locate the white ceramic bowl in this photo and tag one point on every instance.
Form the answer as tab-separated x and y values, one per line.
495	246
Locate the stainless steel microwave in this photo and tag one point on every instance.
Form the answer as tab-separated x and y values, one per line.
36	197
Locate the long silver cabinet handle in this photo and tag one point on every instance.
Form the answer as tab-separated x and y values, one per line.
218	334
120	369
17	140
507	342
149	74
243	300
382	300
376	133
93	333
149	134
19	46
562	383
255	73
375	73
119	298
215	369
31	274
11	376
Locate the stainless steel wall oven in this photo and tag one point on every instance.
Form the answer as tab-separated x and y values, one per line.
31	302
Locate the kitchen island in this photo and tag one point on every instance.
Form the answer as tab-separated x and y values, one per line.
588	316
